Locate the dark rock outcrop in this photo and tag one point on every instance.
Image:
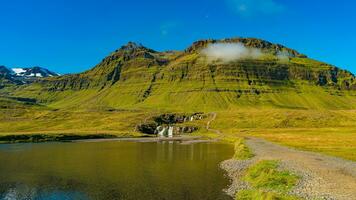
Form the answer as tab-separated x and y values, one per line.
165	121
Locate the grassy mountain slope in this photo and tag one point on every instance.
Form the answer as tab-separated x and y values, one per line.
137	77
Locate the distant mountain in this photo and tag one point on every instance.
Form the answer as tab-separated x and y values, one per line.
210	74
24	75
33	72
4	70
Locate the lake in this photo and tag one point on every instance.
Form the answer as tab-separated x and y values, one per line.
114	170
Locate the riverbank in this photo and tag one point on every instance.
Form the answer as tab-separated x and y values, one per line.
182	139
38	138
65	137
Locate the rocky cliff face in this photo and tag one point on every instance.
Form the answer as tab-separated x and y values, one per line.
170	121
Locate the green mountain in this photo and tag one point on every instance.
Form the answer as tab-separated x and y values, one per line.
209	75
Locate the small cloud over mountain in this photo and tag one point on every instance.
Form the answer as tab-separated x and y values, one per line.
228	52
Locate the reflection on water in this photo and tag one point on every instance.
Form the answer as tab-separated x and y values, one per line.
113	170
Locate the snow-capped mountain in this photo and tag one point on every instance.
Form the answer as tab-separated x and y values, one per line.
24	75
33	72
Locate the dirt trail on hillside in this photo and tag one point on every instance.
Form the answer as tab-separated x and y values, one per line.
322	177
209	123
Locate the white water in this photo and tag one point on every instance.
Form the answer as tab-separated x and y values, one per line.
170	131
161	133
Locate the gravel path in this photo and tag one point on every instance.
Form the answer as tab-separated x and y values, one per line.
322	177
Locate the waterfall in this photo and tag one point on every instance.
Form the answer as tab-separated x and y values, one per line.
170	131
161	133
158	128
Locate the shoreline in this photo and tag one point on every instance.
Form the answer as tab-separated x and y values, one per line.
44	138
183	139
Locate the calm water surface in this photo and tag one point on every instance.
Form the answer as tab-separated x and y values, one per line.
113	170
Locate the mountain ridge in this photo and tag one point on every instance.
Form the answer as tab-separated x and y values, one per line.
135	75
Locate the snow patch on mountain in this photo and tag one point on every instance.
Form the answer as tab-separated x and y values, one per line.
18	71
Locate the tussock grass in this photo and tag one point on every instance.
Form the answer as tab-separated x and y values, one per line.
268	182
242	152
266	175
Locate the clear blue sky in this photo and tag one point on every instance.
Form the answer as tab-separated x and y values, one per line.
71	36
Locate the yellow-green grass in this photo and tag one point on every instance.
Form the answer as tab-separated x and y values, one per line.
48	122
331	132
242	152
14	121
268	182
337	141
266	175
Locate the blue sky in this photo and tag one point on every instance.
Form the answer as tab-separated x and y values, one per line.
70	36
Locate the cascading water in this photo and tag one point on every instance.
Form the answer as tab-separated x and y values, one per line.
170	131
161	132
165	125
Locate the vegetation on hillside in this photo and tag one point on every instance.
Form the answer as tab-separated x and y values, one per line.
136	77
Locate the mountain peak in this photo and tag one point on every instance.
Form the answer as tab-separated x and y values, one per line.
129	51
131	46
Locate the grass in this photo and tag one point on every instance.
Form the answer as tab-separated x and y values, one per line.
242	152
44	121
266	175
268	182
331	132
22	123
334	141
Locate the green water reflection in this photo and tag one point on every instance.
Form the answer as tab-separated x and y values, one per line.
113	170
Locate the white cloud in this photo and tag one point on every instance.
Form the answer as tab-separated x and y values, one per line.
228	52
248	8
283	56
